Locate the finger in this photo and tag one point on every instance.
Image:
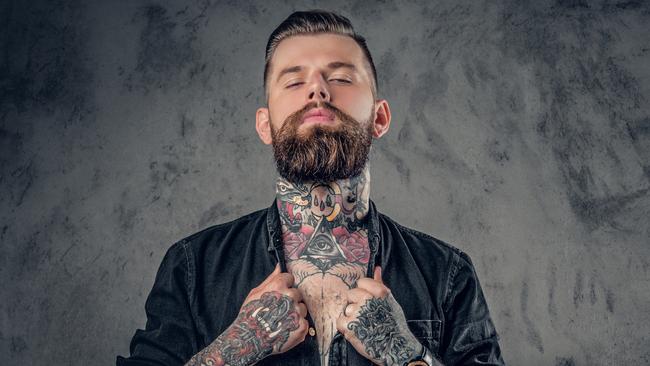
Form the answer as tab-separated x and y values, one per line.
296	337
342	324
279	282
302	309
302	328
294	294
377	274
301	333
350	311
358	295
375	288
285	280
276	271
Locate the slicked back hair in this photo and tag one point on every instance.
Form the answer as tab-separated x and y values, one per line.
316	22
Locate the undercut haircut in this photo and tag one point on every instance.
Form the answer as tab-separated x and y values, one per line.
316	22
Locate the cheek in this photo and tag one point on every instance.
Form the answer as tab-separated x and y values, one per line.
280	110
359	108
277	119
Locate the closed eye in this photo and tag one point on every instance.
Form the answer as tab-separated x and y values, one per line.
344	81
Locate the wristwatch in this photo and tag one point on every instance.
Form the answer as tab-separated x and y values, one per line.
423	359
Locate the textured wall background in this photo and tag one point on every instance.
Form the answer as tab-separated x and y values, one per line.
521	133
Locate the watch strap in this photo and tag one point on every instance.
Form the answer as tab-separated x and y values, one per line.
423	359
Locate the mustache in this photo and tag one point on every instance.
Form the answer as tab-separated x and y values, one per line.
296	117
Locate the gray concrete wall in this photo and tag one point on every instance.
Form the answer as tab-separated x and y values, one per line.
521	133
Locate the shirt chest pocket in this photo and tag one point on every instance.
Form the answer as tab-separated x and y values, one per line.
427	332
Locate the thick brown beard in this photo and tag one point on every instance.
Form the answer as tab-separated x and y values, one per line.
322	153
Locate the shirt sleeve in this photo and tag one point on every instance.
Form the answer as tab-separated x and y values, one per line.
169	337
469	336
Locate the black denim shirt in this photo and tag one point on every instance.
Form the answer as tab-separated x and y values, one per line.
204	279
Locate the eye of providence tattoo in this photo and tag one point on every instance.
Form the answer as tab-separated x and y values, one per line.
261	327
380	333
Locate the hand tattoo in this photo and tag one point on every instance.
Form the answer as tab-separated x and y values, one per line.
262	326
382	335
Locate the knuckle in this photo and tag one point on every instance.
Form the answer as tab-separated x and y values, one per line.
287	277
365	297
302	309
276	285
302	328
294	295
356	293
361	282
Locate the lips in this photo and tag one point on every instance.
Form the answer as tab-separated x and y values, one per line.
318	115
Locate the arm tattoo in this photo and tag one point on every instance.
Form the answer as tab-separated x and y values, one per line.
381	334
262	326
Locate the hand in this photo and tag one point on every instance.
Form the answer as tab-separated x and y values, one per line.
271	321
375	325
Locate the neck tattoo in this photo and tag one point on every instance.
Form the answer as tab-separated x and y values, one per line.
325	223
325	237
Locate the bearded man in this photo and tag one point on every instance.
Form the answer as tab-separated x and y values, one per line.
320	277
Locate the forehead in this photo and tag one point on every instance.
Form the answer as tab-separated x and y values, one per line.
316	49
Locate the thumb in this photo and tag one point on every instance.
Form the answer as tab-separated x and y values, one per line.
377	274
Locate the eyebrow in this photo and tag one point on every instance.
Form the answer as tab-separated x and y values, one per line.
331	66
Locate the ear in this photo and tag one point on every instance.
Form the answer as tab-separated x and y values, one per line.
382	118
263	125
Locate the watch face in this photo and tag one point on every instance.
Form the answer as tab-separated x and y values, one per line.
417	363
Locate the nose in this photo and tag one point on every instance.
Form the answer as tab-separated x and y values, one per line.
318	91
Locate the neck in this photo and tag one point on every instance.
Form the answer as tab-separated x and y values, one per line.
344	199
322	213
